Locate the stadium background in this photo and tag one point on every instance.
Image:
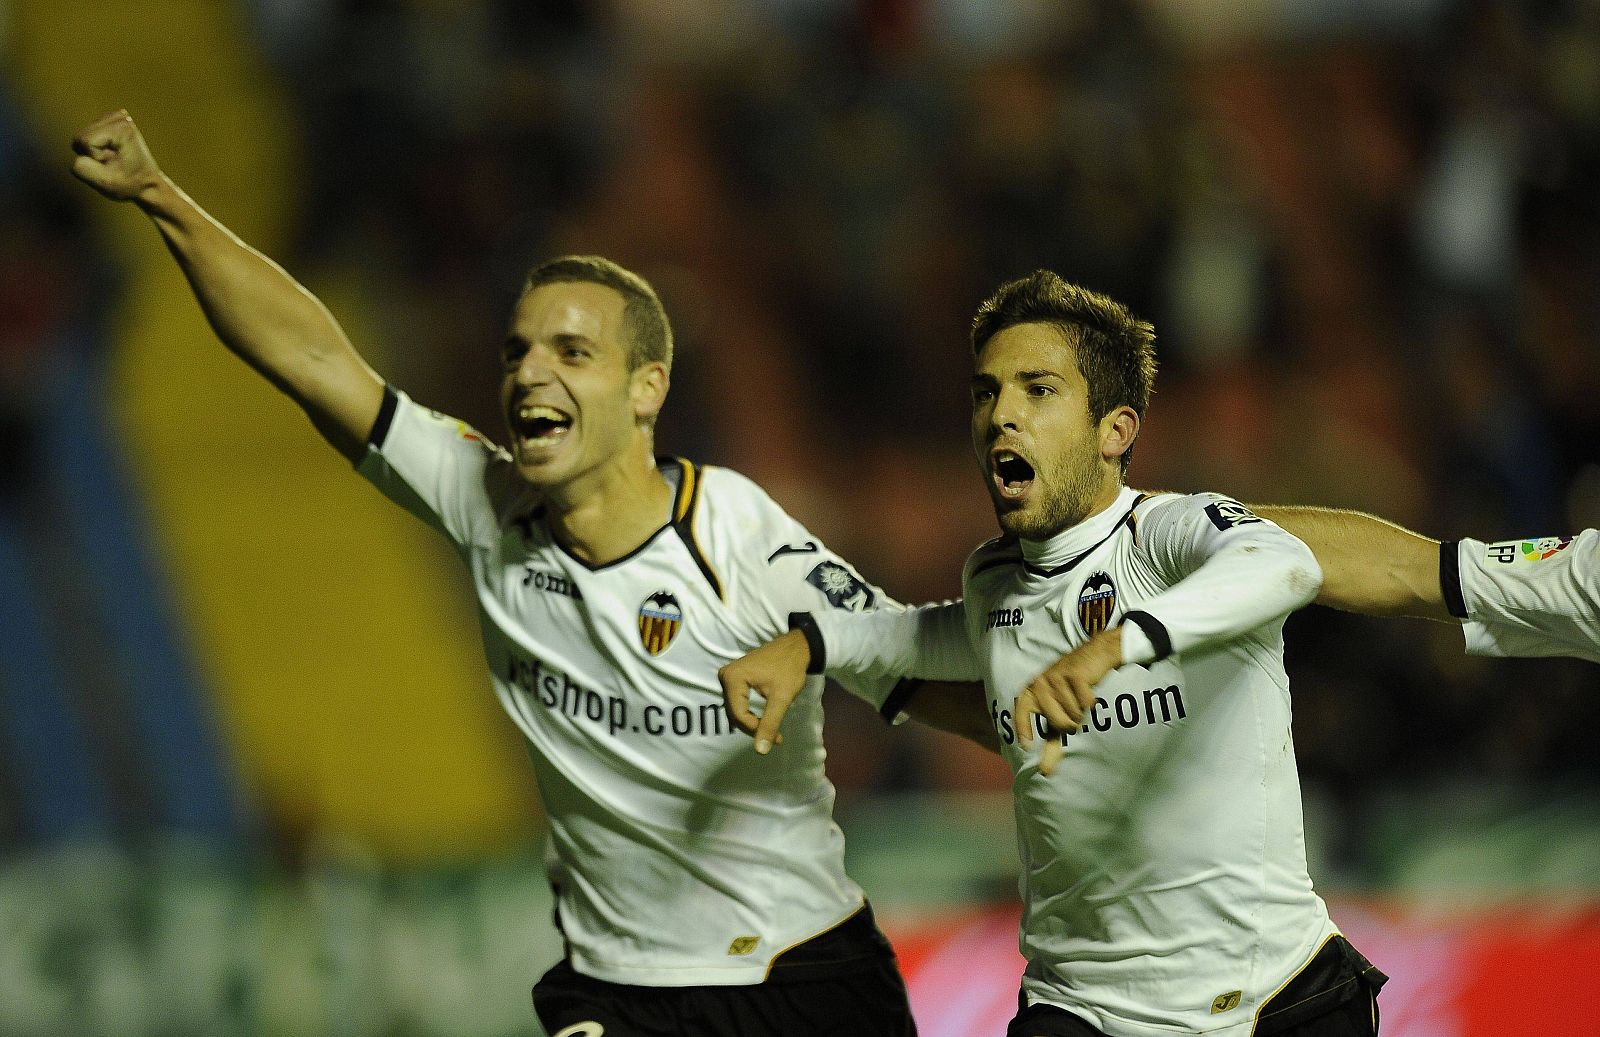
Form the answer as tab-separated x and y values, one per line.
251	778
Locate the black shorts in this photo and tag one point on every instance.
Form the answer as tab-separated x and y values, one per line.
1335	995
843	983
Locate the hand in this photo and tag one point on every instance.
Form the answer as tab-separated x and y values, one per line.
1064	693
114	159
777	670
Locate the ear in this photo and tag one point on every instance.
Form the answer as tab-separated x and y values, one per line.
1118	430
647	389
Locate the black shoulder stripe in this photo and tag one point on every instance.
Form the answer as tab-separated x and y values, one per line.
683	512
1005	550
1450	578
380	427
895	704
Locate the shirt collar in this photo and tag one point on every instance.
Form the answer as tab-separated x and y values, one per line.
1074	540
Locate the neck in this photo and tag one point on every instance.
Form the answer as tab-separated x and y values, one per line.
606	514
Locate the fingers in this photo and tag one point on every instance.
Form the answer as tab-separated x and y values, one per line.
1050	756
771	719
736	696
112	157
105	135
763	726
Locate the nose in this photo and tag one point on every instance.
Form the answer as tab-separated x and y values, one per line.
534	368
1005	415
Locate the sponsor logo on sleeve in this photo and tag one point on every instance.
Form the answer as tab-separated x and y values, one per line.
743	945
1225	514
841	587
660	618
1097	601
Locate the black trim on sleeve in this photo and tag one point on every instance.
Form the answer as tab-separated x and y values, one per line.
895	704
380	427
807	626
1450	578
1154	630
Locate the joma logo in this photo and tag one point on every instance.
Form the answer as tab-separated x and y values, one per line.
1005	618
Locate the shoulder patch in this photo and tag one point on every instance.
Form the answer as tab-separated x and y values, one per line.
843	589
1226	514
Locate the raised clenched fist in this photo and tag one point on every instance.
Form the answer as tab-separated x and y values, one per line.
113	158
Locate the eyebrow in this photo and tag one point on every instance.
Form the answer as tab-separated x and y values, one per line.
1029	376
563	338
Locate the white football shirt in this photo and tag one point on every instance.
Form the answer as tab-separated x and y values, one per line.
1534	597
680	856
1164	881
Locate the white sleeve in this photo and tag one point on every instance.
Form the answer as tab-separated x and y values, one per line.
927	642
436	467
1533	597
1229	571
805	585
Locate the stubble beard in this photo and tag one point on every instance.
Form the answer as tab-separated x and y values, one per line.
1075	484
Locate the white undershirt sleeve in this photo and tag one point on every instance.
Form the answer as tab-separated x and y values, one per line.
1230	572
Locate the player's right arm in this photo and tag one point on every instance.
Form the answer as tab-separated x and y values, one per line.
928	642
258	311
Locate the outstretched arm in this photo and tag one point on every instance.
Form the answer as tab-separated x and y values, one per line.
777	672
258	311
1368	564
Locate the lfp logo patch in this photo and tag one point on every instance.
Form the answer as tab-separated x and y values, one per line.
1539	550
660	617
1096	603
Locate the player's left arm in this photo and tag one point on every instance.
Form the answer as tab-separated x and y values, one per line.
1369	564
1228	572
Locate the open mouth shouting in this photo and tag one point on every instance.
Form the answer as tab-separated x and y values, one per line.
1012	475
538	425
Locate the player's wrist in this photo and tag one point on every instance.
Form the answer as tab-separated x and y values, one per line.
158	197
807	637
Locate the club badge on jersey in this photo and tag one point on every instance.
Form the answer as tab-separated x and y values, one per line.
660	617
1097	602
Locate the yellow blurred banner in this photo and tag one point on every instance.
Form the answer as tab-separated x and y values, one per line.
336	634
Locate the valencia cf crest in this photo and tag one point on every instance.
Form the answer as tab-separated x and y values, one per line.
1096	602
659	619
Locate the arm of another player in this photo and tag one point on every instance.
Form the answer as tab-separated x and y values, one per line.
777	671
928	641
1229	573
1368	564
258	311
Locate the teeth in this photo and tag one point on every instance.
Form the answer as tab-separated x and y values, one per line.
1011	491
534	411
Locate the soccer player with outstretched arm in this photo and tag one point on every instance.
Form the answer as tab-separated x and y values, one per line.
695	893
1138	636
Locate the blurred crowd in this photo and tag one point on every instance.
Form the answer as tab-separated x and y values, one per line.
1370	248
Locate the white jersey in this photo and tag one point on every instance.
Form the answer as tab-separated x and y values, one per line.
680	856
1533	597
1164	881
